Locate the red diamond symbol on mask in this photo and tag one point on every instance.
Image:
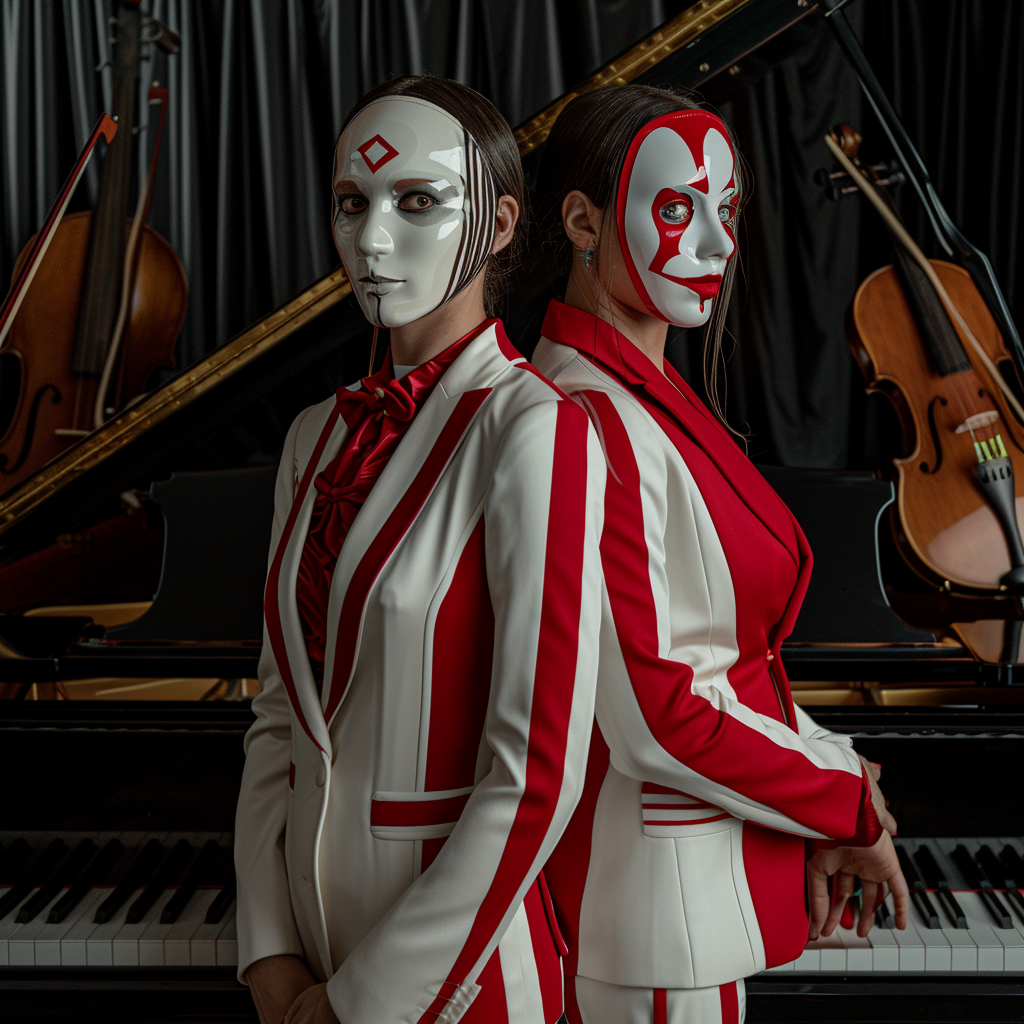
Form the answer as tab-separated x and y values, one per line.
376	153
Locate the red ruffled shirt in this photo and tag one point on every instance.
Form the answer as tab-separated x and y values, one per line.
377	415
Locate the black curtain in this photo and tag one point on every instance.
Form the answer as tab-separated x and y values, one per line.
260	88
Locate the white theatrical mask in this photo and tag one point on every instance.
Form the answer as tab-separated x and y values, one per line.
676	208
414	208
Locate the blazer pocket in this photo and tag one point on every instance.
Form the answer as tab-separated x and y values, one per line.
673	814
429	815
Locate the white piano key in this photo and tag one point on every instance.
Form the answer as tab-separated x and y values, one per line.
938	954
70	943
1009	938
809	959
176	945
832	950
22	944
9	926
858	950
227	945
49	939
885	951
127	942
203	945
99	945
990	949
74	945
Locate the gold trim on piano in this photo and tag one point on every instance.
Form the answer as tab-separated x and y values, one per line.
672	36
223	362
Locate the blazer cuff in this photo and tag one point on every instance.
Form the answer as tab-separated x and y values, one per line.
869	828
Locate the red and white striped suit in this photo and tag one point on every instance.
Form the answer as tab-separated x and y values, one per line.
392	831
683	866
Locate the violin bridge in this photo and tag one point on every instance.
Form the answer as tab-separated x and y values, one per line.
979	420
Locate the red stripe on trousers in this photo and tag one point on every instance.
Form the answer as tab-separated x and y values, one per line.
572	1006
554	677
688	727
730	1003
460	679
390	534
271	595
660	1006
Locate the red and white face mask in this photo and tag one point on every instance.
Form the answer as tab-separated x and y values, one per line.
676	208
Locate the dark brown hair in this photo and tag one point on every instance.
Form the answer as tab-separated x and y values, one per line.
585	151
480	117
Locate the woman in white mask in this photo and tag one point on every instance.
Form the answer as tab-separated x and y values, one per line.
432	614
683	869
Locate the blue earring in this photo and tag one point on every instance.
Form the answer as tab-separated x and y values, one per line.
586	258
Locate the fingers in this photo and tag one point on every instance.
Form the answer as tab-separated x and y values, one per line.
900	899
842	890
817	901
870	898
873	768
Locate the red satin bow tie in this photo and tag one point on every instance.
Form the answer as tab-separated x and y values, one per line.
380	394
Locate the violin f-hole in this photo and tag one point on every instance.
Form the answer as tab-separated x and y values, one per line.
934	430
30	428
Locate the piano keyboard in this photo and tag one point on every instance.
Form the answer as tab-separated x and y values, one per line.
966	915
117	900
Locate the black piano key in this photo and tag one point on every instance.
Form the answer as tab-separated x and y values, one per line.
168	874
139	873
1012	864
65	873
933	878
883	918
990	866
202	872
95	874
975	879
219	907
917	891
13	860
33	874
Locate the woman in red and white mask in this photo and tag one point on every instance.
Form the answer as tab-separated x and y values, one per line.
683	869
432	614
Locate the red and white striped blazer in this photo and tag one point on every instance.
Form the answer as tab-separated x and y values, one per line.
392	832
683	866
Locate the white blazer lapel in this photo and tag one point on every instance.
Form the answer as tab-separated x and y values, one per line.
396	499
327	434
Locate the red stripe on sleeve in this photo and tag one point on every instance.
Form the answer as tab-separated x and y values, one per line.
688	727
554	678
660	1006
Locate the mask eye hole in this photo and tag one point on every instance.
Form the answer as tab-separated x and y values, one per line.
416	202
676	212
352	203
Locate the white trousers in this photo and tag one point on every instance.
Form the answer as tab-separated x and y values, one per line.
597	1002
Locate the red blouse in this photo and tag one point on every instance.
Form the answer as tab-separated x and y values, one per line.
377	415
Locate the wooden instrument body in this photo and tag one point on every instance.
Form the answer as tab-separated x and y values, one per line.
51	396
946	528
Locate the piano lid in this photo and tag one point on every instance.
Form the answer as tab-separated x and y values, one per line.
693	47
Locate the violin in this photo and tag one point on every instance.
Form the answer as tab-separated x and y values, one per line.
107	299
925	338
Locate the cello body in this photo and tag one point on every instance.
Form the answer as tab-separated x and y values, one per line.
53	403
946	529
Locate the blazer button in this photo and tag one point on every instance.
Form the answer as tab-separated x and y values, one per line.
321	774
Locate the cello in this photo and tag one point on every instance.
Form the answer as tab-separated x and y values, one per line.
103	315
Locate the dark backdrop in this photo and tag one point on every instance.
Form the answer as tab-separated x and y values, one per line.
261	87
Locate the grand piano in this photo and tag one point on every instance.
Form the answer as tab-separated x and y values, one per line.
116	890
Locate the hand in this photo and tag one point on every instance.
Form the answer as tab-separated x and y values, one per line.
275	983
876	866
311	1007
873	768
